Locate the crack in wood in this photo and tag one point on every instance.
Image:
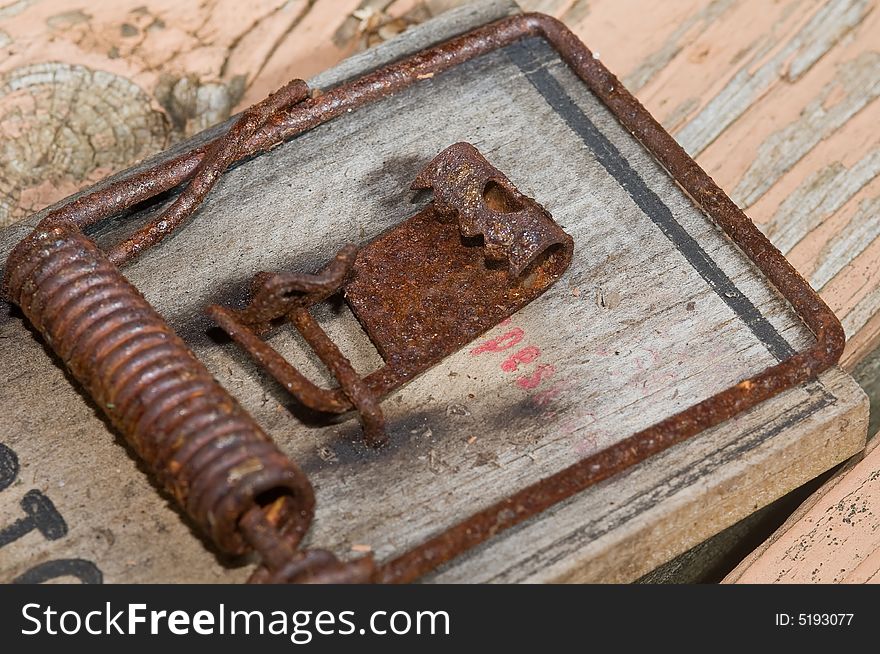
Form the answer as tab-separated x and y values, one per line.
282	37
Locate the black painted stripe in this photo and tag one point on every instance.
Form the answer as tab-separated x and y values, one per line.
647	200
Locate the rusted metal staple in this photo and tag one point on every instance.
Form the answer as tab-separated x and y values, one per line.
217	158
257	523
421	290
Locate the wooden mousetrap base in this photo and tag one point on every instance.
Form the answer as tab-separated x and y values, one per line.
659	310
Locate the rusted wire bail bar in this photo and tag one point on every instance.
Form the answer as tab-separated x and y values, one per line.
115	344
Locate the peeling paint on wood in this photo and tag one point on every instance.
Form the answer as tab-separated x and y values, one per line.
862	229
687	29
855	86
834	537
752	86
818	198
754	77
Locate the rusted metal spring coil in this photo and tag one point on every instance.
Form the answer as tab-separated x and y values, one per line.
220	466
203	447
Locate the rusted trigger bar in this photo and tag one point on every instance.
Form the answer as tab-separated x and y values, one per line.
289	295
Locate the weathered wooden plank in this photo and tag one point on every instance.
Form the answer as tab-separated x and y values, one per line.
805	123
795	61
770	96
638	329
619	531
834	537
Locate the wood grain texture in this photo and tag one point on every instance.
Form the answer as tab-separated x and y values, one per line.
633	333
777	101
617	532
834	537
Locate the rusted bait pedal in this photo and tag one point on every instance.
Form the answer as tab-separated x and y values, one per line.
421	291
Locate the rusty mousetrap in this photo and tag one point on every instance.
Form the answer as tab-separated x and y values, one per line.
444	320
